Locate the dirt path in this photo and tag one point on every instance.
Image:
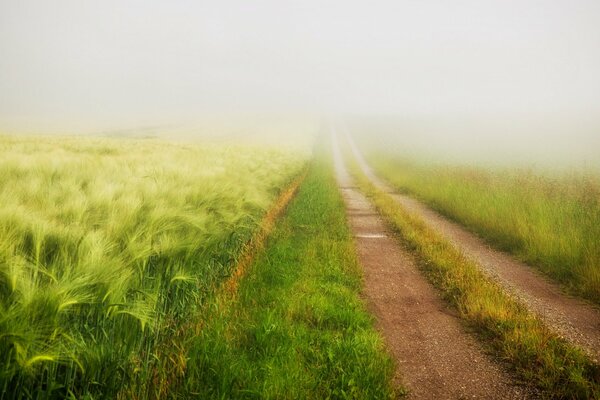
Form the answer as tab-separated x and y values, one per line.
577	320
436	358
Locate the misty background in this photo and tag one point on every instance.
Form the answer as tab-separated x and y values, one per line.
467	69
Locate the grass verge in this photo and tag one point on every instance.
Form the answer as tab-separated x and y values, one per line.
551	222
297	327
513	334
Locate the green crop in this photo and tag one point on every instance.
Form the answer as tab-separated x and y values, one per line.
107	245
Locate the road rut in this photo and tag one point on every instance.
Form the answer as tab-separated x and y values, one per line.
436	357
576	320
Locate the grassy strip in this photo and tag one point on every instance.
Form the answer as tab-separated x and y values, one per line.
258	241
550	222
171	355
513	334
297	327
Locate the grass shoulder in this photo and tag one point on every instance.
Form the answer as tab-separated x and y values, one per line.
550	222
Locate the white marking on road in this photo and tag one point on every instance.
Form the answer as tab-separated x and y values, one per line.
370	235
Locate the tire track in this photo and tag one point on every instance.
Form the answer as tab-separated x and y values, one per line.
577	320
436	357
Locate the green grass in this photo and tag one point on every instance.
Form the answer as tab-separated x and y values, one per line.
297	328
107	245
551	221
535	353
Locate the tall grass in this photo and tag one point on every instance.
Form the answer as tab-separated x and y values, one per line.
107	245
551	221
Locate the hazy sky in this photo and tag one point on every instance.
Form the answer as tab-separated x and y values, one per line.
125	62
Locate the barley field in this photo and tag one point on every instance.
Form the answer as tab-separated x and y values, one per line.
107	246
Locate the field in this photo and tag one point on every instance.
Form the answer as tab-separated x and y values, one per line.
225	266
108	245
548	217
140	268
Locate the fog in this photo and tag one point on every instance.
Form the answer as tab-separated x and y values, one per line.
544	143
76	66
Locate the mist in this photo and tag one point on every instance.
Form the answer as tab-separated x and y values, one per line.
546	143
520	69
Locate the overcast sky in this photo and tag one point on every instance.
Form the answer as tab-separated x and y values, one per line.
104	63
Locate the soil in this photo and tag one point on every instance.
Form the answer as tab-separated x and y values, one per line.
577	320
436	357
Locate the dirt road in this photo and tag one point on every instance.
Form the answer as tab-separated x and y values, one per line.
576	320
436	357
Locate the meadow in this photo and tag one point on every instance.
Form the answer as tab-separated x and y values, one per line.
547	216
108	245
